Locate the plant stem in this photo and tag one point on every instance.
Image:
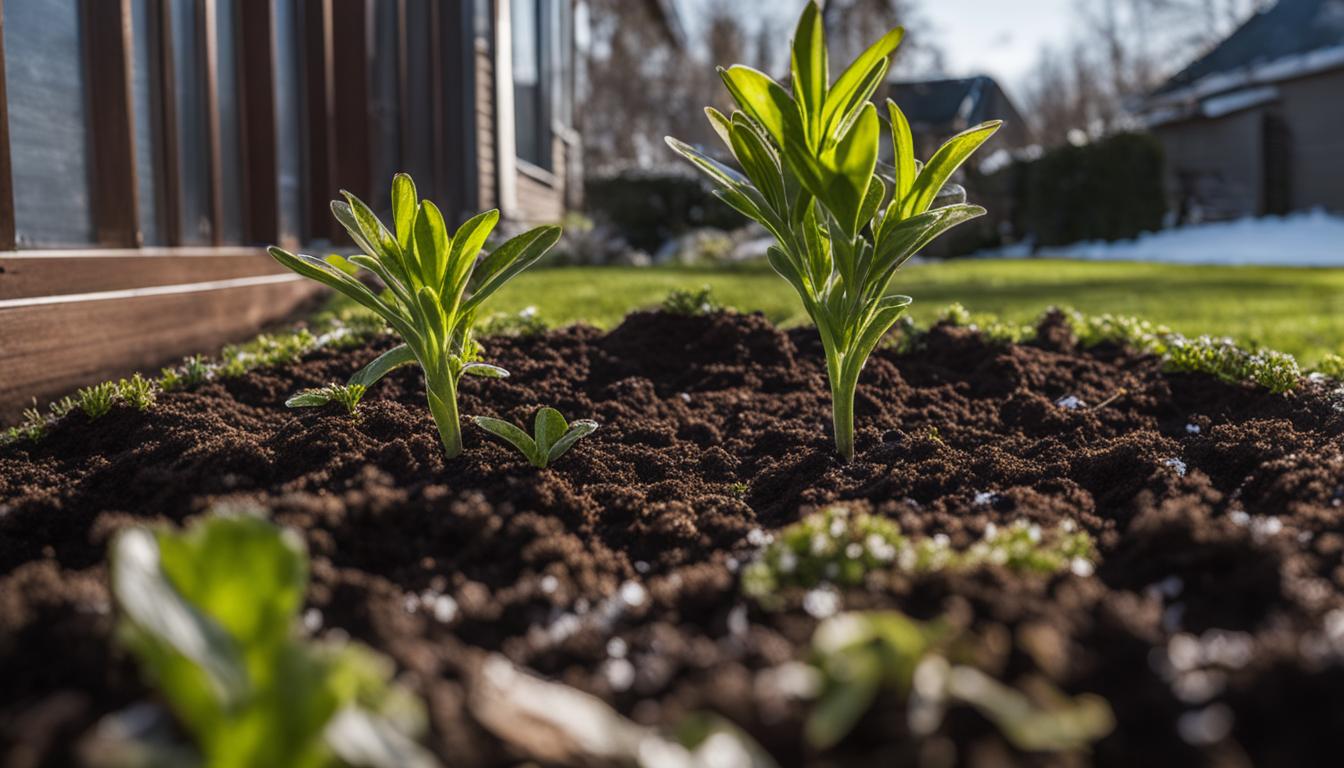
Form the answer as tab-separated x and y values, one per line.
443	407
842	404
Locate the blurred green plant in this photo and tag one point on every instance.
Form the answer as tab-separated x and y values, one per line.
691	303
858	655
810	176
551	435
96	400
840	546
209	612
137	392
435	285
347	395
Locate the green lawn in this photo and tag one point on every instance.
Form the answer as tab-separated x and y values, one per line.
1300	311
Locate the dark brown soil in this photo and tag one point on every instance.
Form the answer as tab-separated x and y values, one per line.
712	427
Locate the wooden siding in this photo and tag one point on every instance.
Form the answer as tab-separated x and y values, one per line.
485	127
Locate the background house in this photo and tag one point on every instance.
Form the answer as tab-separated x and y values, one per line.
150	149
939	109
1252	127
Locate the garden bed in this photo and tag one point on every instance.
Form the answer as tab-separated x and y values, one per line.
1212	620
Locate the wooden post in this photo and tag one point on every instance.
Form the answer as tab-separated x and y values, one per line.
107	41
257	113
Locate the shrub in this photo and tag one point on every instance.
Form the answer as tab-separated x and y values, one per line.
681	301
650	207
435	288
96	401
811	179
137	392
1276	371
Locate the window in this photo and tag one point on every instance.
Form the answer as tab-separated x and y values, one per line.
147	105
289	99
192	124
226	99
48	134
532	81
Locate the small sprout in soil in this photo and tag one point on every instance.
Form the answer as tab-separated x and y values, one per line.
857	656
435	287
265	350
96	401
552	435
810	176
193	372
936	436
1093	330
347	395
1276	371
990	327
211	613
956	314
680	301
738	489
523	323
838	546
1332	366
137	392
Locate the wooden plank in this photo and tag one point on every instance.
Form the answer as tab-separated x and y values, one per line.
316	63
351	169
6	176
171	180
256	78
107	57
27	274
207	32
52	349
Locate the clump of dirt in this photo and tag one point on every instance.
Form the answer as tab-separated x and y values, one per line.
1214	624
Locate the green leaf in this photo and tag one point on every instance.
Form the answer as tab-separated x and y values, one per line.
903	147
485	371
383	245
169	630
433	320
852	160
404	203
842	704
766	102
382	365
760	164
719	173
317	269
847	113
508	260
1071	725
719	123
578	429
513	435
310	398
857	77
901	240
361	738
944	163
811	74
467	244
549	427
431	245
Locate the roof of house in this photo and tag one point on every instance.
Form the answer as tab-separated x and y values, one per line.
942	102
1290	29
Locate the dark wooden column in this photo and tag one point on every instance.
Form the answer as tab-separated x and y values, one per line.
256	78
107	25
351	133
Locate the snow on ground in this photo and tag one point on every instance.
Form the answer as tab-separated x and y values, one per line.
1314	239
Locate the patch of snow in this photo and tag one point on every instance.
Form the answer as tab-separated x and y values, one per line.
1176	464
983	498
821	603
549	584
620	674
1203	727
1236	101
1070	403
1310	239
1192	429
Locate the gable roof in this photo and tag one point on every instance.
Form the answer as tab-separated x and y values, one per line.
940	102
1290	30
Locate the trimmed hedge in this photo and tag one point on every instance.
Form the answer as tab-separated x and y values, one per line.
1108	190
651	206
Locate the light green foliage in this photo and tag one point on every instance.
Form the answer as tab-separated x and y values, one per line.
838	546
34	425
137	392
96	401
1332	366
993	329
858	655
435	286
265	350
193	372
1132	332
551	435
210	612
523	323
691	303
809	175
347	395
1275	371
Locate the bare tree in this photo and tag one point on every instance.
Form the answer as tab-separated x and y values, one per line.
852	25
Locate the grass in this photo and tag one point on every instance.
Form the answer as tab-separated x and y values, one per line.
1299	311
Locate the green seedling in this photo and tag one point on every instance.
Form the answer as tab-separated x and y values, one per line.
1276	371
96	401
680	301
551	437
435	286
810	176
210	614
858	655
1332	366
193	372
347	395
137	392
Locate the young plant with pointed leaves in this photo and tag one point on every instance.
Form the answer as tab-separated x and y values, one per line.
551	437
810	175
435	287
